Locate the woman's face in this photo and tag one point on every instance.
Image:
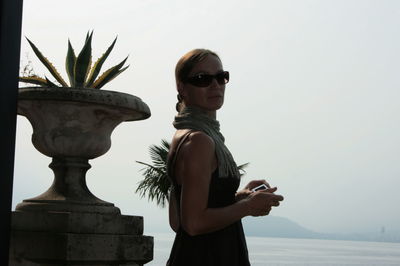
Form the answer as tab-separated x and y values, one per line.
209	98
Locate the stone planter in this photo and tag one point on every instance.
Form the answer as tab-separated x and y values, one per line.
71	126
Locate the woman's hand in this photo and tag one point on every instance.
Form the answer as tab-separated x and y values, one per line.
260	202
246	191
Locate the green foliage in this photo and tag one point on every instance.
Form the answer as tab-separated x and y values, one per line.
81	73
156	183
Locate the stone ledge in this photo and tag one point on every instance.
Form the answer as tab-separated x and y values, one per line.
68	222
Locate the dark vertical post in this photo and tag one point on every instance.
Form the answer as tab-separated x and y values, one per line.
10	42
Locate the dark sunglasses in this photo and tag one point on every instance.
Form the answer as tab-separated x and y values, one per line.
204	80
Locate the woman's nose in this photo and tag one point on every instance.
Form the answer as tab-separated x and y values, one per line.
215	84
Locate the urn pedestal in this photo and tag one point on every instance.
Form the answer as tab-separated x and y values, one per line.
67	224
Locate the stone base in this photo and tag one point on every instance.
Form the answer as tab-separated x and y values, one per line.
60	238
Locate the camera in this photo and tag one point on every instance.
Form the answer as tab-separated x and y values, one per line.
260	187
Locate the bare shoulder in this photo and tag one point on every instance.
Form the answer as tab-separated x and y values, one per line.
200	140
198	146
196	157
196	142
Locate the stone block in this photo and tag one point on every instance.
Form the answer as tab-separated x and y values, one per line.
69	222
49	248
63	238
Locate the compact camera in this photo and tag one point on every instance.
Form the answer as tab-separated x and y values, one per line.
260	187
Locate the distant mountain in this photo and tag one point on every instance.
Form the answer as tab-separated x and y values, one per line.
274	226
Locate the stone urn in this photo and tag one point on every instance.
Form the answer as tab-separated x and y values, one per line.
72	126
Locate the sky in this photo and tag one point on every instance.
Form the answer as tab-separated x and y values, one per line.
312	103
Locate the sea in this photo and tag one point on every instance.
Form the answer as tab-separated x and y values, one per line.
289	251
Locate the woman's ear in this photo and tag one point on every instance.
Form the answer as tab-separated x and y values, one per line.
181	90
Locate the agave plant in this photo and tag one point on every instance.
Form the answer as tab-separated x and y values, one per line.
81	73
156	183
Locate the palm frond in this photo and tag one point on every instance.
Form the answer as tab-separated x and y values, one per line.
241	169
155	185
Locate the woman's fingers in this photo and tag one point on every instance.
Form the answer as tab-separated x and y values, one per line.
277	197
262	212
272	199
269	193
270	190
275	203
261	202
275	200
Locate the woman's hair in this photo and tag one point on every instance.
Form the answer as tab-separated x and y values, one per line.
185	66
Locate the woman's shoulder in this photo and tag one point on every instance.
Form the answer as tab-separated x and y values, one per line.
196	152
200	138
195	140
192	135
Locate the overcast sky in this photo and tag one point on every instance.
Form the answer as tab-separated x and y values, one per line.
313	101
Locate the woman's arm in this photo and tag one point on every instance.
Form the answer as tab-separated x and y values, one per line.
173	211
195	165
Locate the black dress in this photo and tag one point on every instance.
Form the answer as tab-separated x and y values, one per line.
223	247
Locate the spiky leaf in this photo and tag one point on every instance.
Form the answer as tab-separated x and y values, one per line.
70	63
109	75
97	66
83	61
87	35
34	80
47	64
50	84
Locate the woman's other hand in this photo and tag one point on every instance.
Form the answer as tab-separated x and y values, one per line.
260	202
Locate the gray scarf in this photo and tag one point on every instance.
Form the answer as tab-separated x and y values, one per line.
194	118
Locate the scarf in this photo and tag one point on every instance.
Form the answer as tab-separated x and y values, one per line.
194	118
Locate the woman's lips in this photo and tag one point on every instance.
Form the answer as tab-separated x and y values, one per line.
215	97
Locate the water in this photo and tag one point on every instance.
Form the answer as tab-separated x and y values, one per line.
301	252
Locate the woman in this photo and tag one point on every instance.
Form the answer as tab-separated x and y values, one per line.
205	208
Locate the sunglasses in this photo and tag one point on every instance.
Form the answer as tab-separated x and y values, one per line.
204	80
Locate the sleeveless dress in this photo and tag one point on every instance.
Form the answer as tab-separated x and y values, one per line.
223	247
